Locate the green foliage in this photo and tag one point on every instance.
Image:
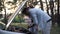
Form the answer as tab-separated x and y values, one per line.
18	19
0	16
35	3
19	25
4	20
1	5
2	26
15	1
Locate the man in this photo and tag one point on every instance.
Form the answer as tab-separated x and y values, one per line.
40	18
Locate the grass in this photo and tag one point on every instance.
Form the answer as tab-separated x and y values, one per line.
55	30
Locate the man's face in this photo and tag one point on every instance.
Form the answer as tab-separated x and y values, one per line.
27	11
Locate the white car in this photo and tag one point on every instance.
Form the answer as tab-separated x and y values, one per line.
20	30
8	32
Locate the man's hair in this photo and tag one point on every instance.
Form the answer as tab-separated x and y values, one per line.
31	6
25	11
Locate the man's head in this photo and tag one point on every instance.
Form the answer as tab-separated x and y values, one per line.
25	11
31	6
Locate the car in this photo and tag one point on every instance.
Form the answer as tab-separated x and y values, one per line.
9	32
15	30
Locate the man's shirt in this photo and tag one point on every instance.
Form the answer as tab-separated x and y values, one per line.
39	16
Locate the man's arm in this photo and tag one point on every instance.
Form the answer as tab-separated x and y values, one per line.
34	18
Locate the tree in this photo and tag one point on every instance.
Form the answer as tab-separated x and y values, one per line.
41	3
51	7
58	15
47	7
1	5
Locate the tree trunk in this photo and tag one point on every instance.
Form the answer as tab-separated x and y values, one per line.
51	7
58	15
47	7
41	3
5	18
